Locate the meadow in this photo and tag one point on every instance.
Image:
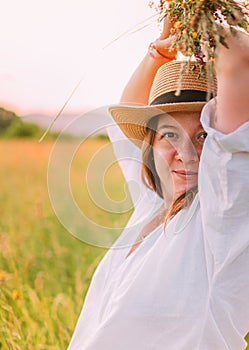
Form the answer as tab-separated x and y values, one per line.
44	270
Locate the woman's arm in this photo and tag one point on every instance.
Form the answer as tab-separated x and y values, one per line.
233	83
223	193
138	88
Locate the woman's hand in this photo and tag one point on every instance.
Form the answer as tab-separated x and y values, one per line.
138	88
163	45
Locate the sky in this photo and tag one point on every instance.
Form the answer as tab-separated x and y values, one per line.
48	46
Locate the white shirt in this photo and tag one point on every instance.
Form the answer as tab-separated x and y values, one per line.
186	288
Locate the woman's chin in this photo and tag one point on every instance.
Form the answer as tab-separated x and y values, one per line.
180	190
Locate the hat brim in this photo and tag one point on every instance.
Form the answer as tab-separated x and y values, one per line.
132	119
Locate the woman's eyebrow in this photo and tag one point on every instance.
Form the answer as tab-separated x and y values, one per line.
167	126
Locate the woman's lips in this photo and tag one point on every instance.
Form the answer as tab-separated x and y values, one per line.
185	174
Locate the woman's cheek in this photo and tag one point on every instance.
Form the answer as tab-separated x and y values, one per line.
163	161
198	149
165	153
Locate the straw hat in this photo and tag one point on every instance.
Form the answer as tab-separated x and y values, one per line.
132	119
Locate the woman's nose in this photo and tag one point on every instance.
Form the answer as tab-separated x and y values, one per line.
187	152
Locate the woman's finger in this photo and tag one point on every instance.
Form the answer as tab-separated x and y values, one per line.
164	47
167	25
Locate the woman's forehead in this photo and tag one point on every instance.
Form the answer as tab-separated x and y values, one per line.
180	119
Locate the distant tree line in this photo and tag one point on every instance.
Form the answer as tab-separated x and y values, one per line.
12	126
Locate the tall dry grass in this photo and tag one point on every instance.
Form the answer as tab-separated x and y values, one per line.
44	271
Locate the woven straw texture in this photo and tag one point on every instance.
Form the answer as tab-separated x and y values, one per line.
167	79
132	119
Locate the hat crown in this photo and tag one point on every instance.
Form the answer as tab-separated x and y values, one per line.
181	76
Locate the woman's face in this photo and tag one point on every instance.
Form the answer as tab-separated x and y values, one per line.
177	147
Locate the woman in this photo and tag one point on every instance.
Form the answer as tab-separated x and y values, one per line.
183	284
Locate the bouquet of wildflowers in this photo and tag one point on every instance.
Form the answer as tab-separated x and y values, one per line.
198	25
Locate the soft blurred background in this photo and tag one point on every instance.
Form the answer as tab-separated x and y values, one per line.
46	48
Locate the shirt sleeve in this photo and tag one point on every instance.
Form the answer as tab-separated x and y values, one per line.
224	201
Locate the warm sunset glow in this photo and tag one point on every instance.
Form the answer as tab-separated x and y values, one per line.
48	46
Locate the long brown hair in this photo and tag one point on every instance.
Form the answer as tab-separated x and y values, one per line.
150	177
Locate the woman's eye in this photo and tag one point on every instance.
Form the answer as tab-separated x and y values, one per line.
169	135
202	136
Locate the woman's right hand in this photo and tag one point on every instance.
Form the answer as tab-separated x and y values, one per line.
163	44
138	87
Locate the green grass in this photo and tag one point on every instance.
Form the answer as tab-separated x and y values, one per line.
44	271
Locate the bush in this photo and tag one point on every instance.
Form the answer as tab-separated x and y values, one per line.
12	126
6	119
19	129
